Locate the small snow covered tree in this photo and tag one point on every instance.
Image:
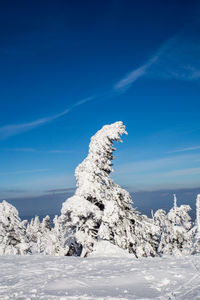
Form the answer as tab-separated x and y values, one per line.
159	219
198	215
12	231
43	239
101	209
44	235
196	229
57	238
50	243
33	234
176	236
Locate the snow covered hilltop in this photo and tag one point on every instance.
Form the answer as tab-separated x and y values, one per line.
101	213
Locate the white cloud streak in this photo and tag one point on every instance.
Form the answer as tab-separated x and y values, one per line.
60	151
182	172
185	149
20	172
21	150
178	58
157	165
31	150
131	77
14	129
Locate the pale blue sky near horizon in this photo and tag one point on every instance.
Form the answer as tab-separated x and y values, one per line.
68	68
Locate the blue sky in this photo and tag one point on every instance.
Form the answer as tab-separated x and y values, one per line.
69	67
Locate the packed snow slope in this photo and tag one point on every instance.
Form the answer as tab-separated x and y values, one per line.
48	277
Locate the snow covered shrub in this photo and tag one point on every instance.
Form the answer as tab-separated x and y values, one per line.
100	209
12	231
176	236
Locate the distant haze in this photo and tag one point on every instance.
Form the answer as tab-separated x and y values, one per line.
144	201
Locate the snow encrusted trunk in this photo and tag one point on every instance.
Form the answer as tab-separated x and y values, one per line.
13	238
100	209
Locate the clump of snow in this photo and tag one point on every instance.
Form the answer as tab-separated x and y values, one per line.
107	249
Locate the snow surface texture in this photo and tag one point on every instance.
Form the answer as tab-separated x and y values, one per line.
72	278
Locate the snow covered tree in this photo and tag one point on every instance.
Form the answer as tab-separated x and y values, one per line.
46	224
42	237
100	209
176	236
33	234
51	237
12	231
196	229
159	219
198	215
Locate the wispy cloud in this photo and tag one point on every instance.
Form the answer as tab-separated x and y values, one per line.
182	172
185	149
156	173
131	77
14	129
178	58
21	150
55	191
32	150
157	165
25	172
13	191
60	151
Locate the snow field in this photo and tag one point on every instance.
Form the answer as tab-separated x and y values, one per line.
65	278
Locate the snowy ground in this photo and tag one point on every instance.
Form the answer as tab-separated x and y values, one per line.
39	277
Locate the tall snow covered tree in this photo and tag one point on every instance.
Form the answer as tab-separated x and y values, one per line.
101	209
12	231
176	236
